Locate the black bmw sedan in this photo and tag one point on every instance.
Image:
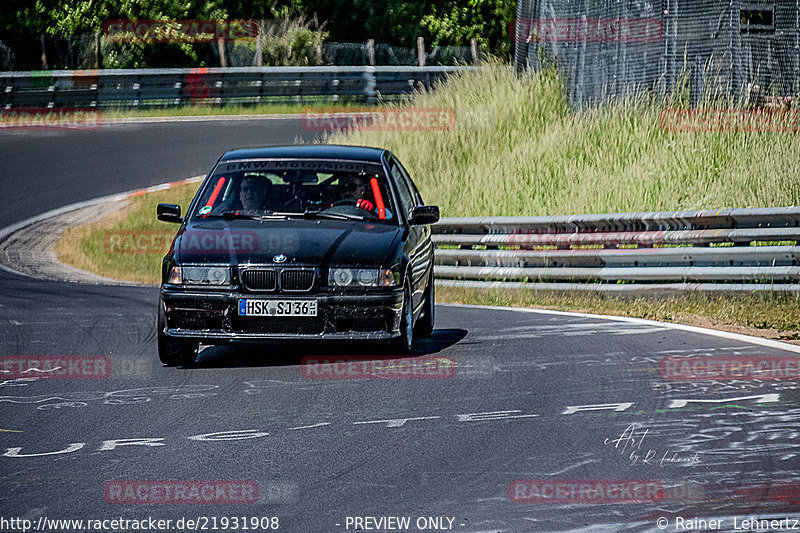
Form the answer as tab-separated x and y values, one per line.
298	242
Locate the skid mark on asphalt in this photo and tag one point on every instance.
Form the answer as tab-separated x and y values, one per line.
665	389
120	397
576	329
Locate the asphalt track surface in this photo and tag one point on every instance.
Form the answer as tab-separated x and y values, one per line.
554	398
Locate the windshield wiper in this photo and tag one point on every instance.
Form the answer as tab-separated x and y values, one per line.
231	215
333	216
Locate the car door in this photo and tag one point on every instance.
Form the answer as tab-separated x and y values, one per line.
418	246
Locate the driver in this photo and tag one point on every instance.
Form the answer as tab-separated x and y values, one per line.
353	188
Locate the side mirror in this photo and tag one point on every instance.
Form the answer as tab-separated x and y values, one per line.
169	213
424	214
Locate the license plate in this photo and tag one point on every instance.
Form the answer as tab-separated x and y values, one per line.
251	307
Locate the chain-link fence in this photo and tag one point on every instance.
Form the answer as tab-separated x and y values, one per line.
699	50
356	54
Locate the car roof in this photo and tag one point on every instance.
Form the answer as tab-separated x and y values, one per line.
309	151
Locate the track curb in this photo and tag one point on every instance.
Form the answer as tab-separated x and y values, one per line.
8	231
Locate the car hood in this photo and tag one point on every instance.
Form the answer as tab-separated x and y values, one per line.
287	242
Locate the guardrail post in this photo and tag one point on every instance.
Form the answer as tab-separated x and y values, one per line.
221	47
97	50
371	52
259	53
421	51
44	53
371	85
473	46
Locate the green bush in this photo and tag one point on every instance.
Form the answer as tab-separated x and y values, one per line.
292	42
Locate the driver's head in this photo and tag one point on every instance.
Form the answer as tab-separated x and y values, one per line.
253	192
353	186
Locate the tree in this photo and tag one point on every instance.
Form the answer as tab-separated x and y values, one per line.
487	21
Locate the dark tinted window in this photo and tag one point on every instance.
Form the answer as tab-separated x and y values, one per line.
409	183
266	187
402	187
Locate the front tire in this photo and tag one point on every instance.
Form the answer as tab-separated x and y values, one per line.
405	343
172	351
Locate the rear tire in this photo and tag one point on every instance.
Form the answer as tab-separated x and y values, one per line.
425	322
172	351
405	343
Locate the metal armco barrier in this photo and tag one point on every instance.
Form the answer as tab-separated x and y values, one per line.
711	250
210	86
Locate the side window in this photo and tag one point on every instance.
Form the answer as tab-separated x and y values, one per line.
410	184
402	187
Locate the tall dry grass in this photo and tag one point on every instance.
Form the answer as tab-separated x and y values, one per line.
517	149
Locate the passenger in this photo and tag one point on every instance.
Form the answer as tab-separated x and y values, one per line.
254	192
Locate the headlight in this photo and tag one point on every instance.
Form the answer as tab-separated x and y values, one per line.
214	276
361	277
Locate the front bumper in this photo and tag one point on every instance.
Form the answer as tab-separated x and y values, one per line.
212	316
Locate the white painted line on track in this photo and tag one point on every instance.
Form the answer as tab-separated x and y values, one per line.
770	343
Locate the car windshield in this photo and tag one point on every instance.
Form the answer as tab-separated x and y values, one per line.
308	188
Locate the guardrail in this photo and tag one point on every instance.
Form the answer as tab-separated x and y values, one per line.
726	249
211	86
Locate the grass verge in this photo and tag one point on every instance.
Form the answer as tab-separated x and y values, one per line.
200	110
130	243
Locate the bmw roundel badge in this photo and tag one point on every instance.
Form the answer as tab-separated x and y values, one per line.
280	258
